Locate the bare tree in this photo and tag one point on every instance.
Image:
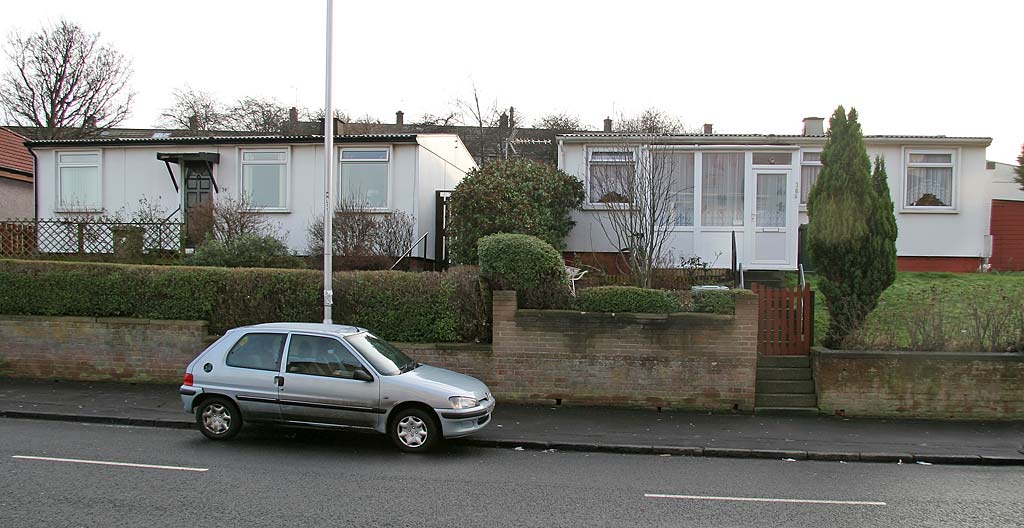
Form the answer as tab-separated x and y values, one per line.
650	121
448	119
640	186
234	217
194	110
256	114
561	121
360	232
65	82
474	113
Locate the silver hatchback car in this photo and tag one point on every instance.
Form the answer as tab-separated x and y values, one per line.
318	375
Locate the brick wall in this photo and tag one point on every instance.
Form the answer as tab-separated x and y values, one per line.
950	264
695	361
88	348
920	384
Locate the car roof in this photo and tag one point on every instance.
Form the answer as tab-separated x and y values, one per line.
336	329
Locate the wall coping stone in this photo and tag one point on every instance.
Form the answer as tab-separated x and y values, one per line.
626	317
482	347
104	320
916	354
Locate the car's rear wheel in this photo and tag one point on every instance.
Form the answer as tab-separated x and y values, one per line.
218	418
414	430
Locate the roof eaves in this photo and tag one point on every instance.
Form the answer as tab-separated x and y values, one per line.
220	140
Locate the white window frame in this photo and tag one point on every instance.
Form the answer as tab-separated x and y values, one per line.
287	175
391	187
799	183
693	152
748	153
59	207
636	151
954	164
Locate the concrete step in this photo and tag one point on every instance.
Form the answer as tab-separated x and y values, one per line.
783	361
785	373
786	400
785	387
786	411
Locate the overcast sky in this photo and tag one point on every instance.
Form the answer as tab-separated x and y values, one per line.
748	67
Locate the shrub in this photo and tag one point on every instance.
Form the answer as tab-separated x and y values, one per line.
244	251
627	299
527	265
359	232
426	307
512	196
715	301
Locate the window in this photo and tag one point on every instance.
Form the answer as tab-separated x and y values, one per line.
722	189
770	206
321	356
364	177
810	168
257	351
678	166
773	158
79	182
265	178
611	174
385	357
929	179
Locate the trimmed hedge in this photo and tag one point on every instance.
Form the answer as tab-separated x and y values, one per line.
716	301
526	264
244	251
399	306
622	299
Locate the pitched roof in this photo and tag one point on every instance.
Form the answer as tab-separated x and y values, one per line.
221	140
15	160
787	139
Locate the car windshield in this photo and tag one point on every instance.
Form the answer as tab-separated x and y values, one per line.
384	357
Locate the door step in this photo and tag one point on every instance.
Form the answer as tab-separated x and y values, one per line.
786	400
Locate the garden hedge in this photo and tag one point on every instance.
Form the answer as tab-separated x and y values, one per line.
716	301
526	264
399	306
622	299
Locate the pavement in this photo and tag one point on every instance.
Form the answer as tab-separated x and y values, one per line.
568	428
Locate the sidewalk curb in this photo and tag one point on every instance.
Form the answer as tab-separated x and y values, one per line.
585	447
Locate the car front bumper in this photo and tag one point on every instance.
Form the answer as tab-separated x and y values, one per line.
456	423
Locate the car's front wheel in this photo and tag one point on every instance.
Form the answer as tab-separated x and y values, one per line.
218	418
414	430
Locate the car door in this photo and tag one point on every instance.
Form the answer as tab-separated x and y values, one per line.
319	384
251	370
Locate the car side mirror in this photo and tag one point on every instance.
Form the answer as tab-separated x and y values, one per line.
361	374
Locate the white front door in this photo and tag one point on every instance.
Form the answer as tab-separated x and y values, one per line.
770	227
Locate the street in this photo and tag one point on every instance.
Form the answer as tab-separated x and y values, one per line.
277	477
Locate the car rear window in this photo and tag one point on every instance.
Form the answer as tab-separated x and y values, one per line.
257	351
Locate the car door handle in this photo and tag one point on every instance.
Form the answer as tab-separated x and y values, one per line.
279	380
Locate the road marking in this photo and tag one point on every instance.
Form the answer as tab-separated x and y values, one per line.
108	463
764	499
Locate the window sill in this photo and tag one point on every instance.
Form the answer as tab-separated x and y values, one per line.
267	210
929	210
369	210
723	228
78	210
604	207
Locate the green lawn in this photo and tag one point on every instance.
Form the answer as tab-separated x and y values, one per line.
951	298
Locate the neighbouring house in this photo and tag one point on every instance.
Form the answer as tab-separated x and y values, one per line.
281	175
753	188
1007	217
16	168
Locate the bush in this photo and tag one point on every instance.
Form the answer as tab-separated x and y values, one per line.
527	265
244	251
627	299
512	196
715	301
426	307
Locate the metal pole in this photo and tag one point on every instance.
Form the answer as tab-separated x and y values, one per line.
328	173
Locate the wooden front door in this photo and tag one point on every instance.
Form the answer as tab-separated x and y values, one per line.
198	201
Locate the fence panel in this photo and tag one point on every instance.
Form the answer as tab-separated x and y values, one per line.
33	238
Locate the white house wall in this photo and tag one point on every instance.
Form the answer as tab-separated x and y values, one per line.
443	162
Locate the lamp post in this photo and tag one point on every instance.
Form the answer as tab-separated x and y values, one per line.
328	173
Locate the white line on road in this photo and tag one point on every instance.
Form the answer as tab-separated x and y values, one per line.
764	499
108	463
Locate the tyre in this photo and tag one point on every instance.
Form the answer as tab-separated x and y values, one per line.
218	418
414	430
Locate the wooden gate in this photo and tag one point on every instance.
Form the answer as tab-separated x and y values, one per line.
785	320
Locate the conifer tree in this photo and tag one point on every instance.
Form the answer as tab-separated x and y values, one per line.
1020	168
852	231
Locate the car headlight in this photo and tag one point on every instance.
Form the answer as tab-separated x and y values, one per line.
462	402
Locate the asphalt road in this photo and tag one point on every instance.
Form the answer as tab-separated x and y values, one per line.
272	477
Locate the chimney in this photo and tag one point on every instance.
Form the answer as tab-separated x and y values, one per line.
607	124
512	116
709	128
814	126
339	127
399	117
293	115
193	123
503	120
90	122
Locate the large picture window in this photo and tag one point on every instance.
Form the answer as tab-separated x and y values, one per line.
722	189
678	167
611	173
929	179
364	177
79	182
810	168
265	178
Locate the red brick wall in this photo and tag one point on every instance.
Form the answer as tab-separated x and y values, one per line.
1007	229
920	384
691	361
952	264
94	349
